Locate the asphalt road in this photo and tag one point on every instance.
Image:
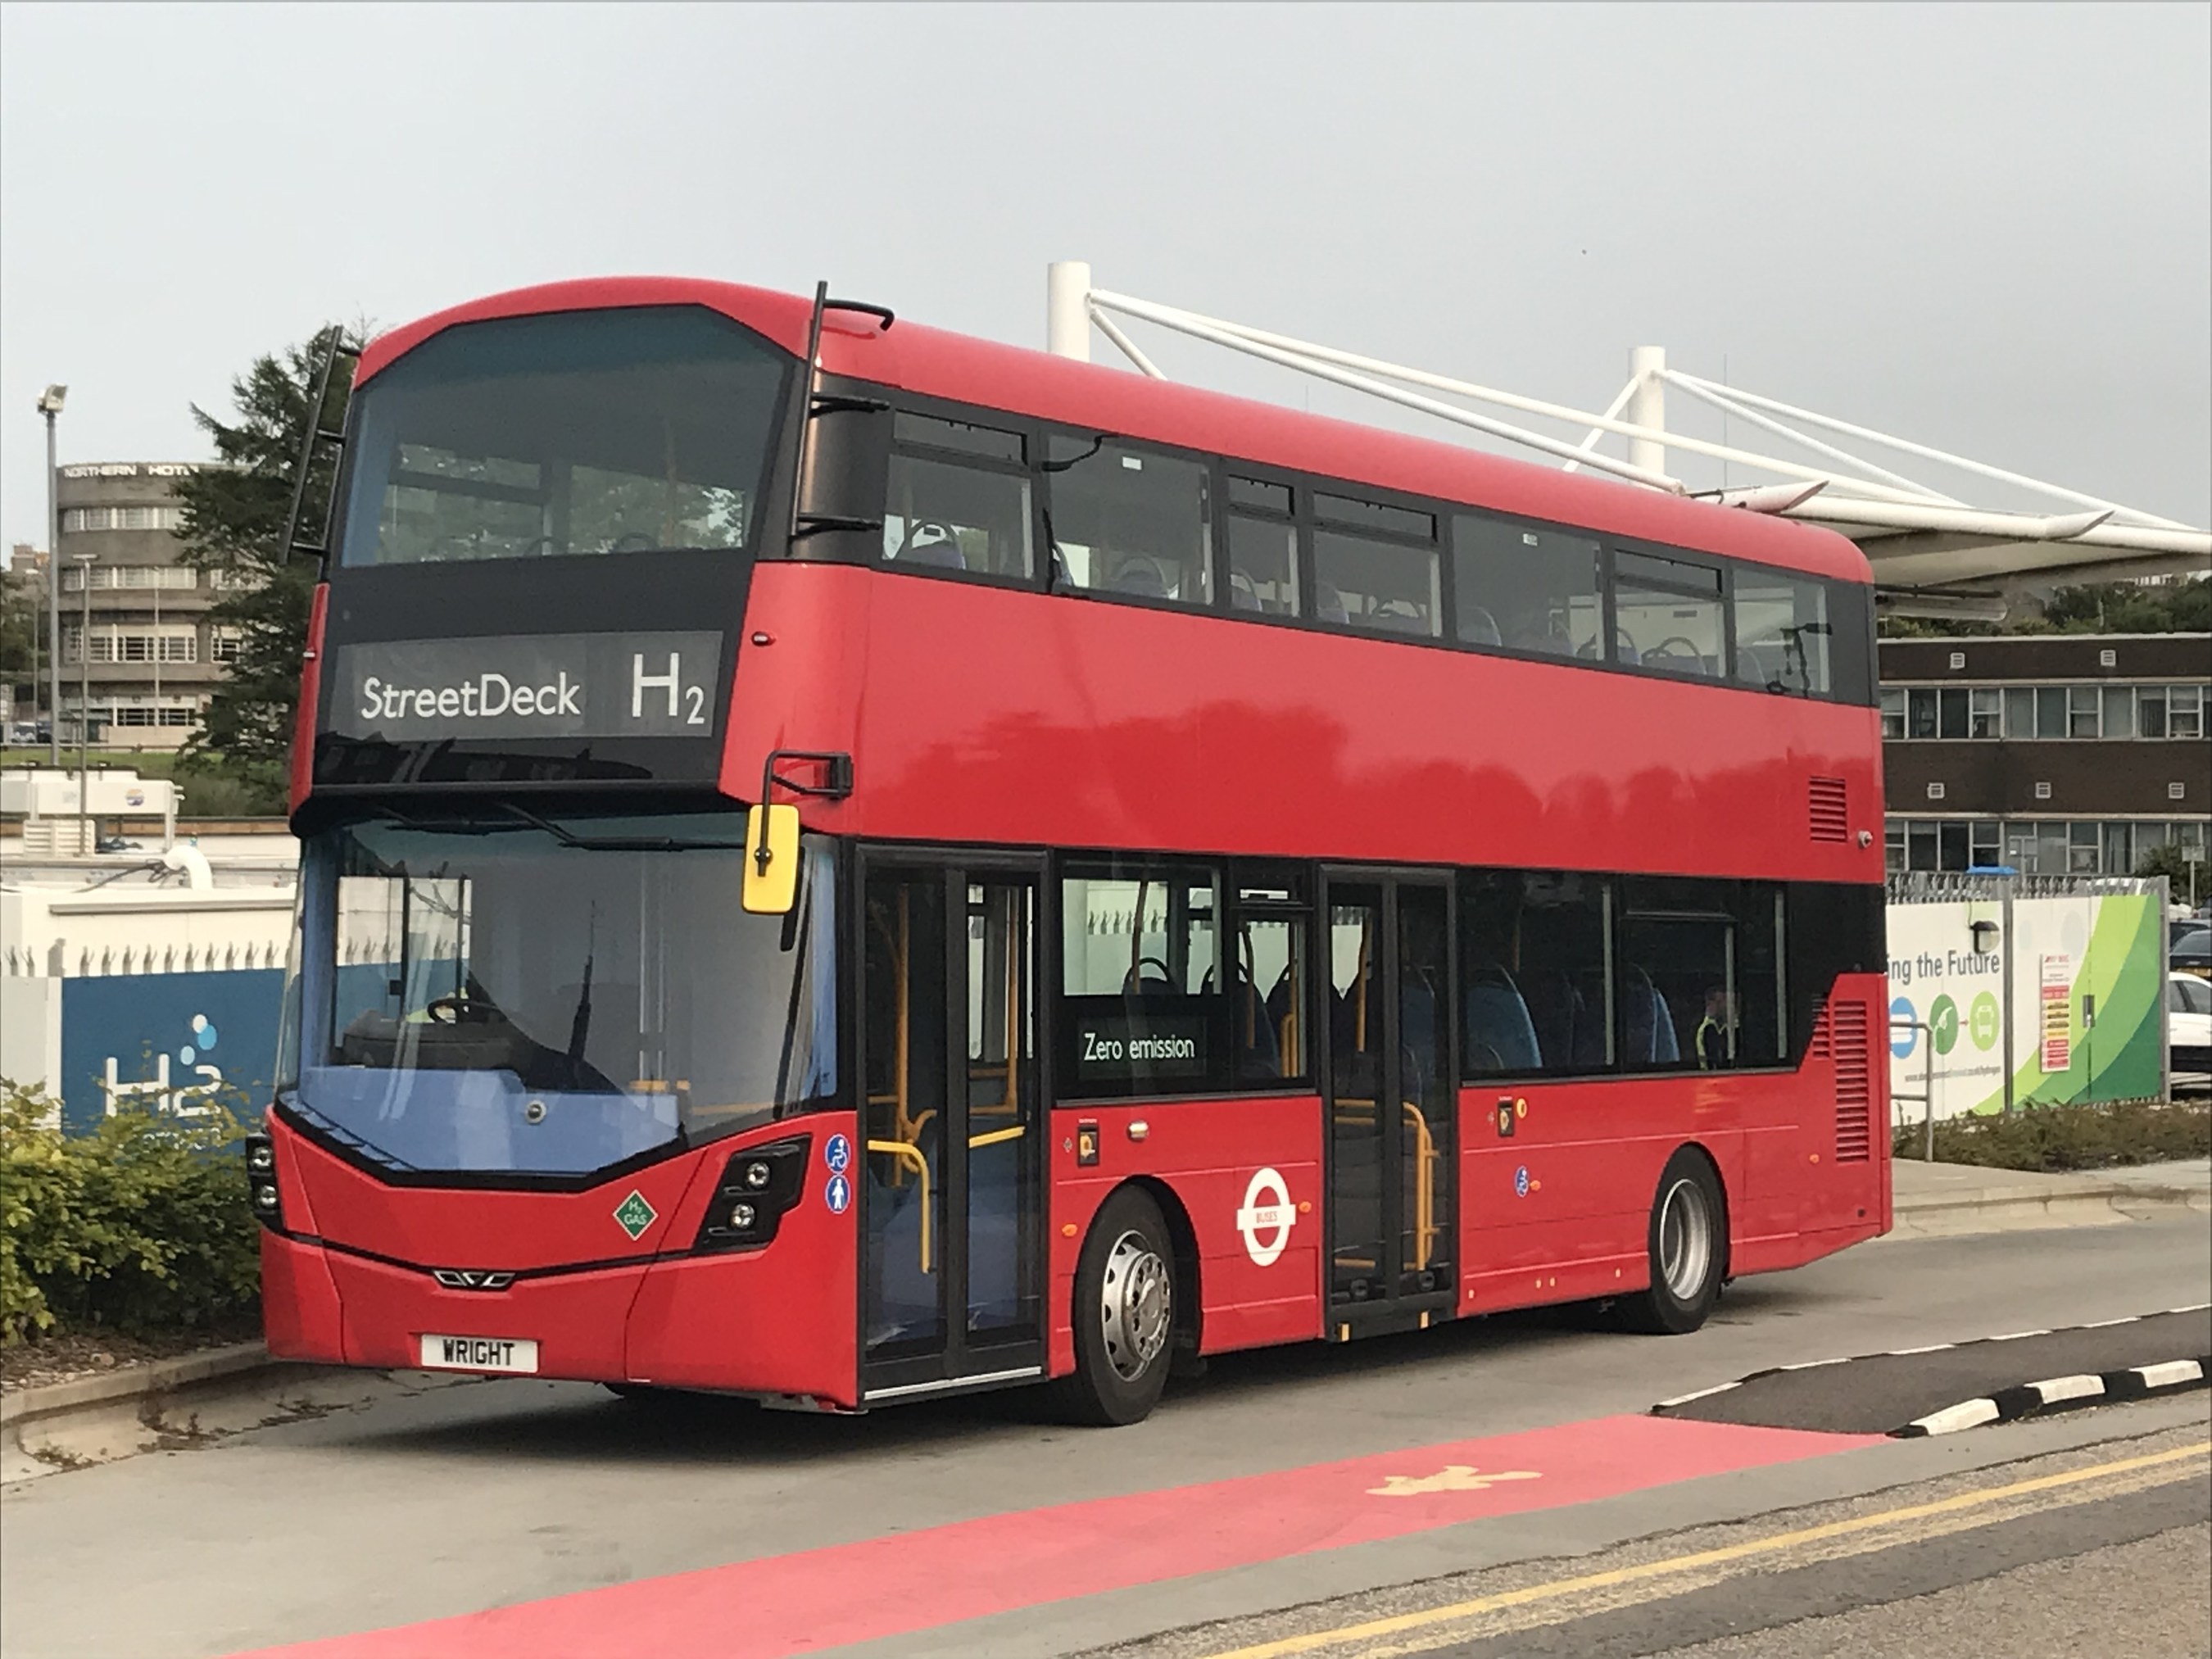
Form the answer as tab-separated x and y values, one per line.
2102	1550
497	1494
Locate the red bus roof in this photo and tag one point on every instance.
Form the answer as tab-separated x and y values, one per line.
958	367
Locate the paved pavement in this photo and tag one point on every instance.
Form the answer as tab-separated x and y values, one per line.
499	1493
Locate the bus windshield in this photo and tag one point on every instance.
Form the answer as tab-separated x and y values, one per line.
586	432
547	997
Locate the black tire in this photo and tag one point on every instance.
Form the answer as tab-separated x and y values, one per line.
1124	1315
1687	1244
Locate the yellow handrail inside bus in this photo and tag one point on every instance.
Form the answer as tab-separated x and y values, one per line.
1425	1202
992	1138
1424	1157
909	1156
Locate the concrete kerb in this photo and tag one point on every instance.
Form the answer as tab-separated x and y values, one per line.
90	1419
134	1381
192	1400
1935	1200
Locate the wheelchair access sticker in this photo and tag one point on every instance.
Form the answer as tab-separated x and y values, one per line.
838	1154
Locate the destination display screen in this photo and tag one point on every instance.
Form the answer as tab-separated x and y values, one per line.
504	688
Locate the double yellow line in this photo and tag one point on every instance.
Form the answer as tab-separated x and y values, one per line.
1775	1543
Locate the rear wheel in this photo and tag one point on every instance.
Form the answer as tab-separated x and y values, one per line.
1124	1314
1688	1244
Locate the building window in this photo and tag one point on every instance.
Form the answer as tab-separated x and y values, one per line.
1987	716
1920	716
2184	711
107	577
173	643
1892	714
223	645
78	519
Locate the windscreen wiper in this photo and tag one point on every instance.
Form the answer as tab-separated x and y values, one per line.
620	843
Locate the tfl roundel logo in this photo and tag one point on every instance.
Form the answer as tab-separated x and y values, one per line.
1266	1216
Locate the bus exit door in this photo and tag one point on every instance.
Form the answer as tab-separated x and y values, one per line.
953	1284
1392	1081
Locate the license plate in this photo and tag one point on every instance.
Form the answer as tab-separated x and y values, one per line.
479	1354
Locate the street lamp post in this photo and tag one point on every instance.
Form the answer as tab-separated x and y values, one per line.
85	562
50	405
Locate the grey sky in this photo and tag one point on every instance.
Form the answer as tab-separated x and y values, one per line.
1986	228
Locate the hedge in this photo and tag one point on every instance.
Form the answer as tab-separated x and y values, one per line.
2060	1138
142	1226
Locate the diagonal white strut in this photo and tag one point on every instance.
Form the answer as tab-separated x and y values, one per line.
1936	537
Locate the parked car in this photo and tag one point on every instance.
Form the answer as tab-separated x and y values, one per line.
2188	1023
2189	949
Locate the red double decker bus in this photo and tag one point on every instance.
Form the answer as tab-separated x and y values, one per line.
1226	877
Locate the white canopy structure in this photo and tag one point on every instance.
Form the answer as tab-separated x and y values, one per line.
1933	554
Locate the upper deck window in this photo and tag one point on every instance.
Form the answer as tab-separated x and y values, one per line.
1668	615
1128	522
1782	632
1527	589
584	432
957	499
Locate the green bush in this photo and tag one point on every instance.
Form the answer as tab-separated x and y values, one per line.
142	1225
2059	1138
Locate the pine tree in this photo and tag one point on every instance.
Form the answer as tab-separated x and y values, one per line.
233	523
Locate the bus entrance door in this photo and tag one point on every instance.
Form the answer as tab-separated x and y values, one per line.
952	1281
1393	1143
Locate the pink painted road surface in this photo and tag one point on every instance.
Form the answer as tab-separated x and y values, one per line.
824	1598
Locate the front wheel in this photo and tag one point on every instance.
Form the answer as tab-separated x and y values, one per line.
1124	1315
1688	1244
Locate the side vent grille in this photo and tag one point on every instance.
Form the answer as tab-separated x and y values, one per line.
1854	1083
1819	1048
1830	815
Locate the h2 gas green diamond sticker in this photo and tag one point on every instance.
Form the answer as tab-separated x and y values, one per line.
634	1215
